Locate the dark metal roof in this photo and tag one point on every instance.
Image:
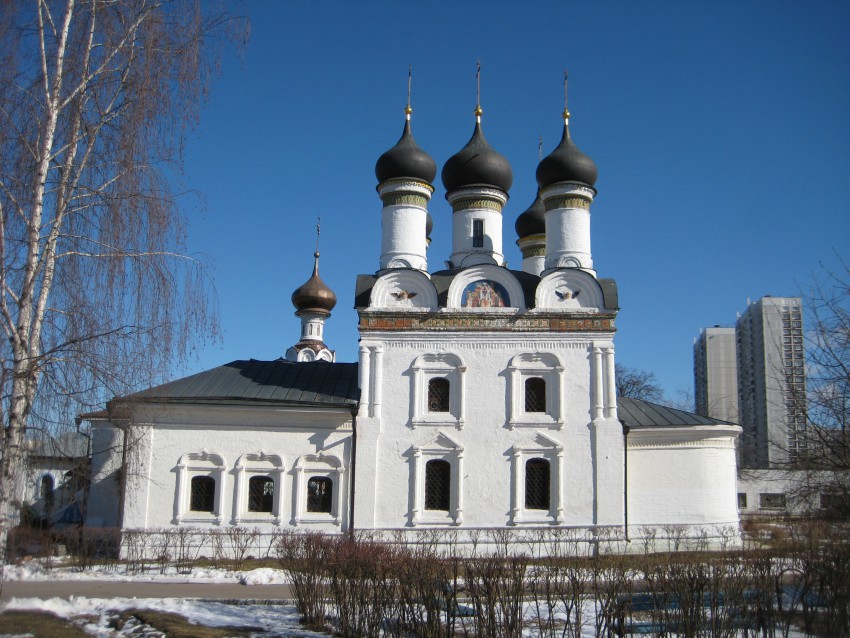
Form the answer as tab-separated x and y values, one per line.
313	383
635	413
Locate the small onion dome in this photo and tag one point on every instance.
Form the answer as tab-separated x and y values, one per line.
406	159
477	164
532	221
314	294
566	164
429	224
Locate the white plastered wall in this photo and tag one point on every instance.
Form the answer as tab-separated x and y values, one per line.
212	440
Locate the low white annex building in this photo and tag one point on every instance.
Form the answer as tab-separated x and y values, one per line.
484	398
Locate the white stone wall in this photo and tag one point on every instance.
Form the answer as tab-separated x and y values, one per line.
682	476
479	437
173	444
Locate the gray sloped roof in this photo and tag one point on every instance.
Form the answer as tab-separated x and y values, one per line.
314	383
635	413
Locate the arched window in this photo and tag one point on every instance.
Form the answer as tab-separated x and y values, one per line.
535	395
261	494
438	485
202	497
320	491
47	490
537	484
438	394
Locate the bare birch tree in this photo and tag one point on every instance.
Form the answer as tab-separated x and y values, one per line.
96	293
825	481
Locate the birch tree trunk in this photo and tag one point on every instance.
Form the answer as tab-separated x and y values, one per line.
96	295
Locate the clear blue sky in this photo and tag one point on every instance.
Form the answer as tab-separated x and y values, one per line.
721	131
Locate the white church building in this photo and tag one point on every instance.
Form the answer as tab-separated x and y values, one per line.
483	399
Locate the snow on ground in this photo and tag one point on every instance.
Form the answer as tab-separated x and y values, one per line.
279	620
32	570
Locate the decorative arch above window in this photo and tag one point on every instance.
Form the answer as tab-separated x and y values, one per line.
438	390
253	501
537	465
201	484
438	482
535	390
319	489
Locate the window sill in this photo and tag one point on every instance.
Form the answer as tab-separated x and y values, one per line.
438	419
535	421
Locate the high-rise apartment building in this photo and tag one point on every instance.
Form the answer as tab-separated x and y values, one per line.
716	374
771	382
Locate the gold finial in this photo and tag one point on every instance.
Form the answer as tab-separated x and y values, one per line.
409	109
318	232
478	110
566	110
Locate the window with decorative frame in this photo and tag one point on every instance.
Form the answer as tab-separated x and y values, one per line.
537	465
201	486
259	488
437	475
535	388
438	390
319	489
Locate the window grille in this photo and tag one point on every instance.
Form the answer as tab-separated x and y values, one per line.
320	492
535	395
438	483
260	494
770	501
438	395
537	484
203	494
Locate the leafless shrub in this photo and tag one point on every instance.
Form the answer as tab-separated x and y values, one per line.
87	545
240	540
496	585
302	557
137	547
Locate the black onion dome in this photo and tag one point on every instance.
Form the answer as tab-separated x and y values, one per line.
477	164
429	224
314	294
532	221
566	164
406	159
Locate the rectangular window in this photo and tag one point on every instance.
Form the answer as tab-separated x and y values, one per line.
771	501
477	233
202	498
320	492
438	484
438	394
537	484
260	494
535	395
742	500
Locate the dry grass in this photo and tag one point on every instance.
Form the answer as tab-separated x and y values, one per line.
176	626
38	624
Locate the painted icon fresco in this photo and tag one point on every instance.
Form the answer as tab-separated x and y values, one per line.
485	294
